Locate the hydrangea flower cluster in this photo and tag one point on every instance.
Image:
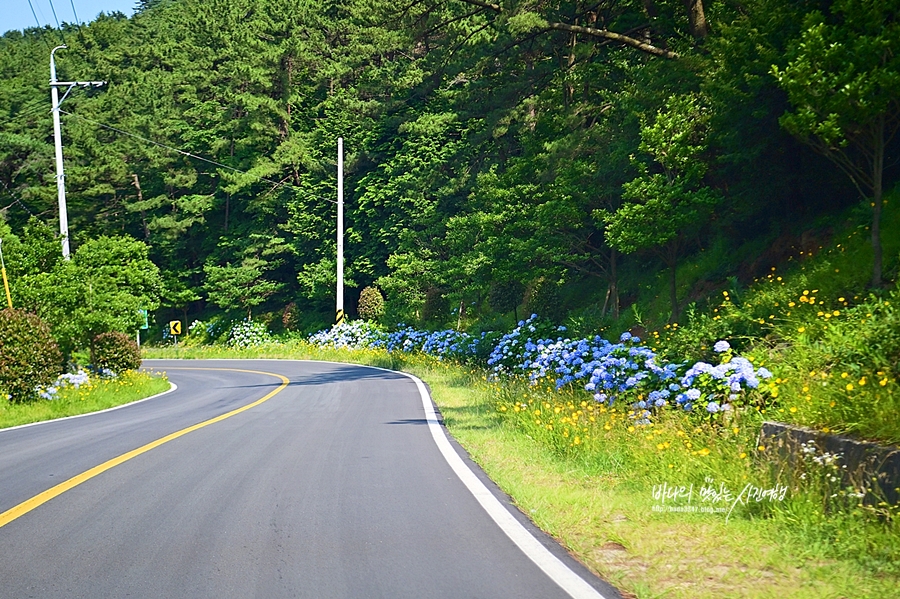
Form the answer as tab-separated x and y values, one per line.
718	388
405	338
361	334
516	351
357	334
196	326
627	368
75	380
248	333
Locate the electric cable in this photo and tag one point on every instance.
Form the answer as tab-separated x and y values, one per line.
72	2
38	22
16	200
58	28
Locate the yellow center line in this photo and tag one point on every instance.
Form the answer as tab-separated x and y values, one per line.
42	498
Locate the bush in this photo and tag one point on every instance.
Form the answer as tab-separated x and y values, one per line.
371	304
115	351
248	333
29	357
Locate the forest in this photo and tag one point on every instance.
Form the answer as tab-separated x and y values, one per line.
595	162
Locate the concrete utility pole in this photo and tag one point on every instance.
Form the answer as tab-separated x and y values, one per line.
339	318
57	137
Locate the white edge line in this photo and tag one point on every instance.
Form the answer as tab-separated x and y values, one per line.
172	387
551	565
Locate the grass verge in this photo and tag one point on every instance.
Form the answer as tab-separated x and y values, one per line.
597	499
95	396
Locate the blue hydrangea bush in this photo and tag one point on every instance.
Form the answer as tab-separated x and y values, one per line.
357	334
626	372
248	333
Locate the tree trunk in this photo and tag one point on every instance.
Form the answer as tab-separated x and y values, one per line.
570	62
227	209
673	292
140	196
614	281
877	192
697	18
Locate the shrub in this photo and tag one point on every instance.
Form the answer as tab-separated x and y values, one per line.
352	334
115	351
248	333
29	357
371	304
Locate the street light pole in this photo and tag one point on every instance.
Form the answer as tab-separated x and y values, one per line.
339	317
57	138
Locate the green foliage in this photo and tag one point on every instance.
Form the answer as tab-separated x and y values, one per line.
663	206
29	357
100	394
506	296
371	304
239	287
116	351
480	147
542	298
436	308
99	290
845	72
844	84
290	317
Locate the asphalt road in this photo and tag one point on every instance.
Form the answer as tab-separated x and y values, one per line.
334	486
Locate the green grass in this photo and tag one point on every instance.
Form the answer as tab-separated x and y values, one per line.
596	497
99	395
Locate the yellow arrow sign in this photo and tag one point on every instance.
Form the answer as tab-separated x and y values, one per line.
175	327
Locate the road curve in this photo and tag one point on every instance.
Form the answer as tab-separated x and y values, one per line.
332	487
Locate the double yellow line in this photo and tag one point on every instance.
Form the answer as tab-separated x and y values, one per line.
42	498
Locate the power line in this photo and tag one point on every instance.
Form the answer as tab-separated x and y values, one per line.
276	184
72	2
16	200
61	34
38	22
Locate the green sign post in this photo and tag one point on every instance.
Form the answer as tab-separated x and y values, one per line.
145	324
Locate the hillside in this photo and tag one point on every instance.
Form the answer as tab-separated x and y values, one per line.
494	154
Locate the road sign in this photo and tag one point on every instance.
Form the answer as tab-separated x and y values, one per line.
175	327
145	322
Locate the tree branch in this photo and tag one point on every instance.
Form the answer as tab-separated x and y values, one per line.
494	7
605	34
617	37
